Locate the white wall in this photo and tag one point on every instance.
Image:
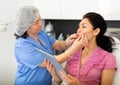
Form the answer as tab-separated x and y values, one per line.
7	59
8	9
110	9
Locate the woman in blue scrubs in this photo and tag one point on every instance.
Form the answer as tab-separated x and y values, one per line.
31	69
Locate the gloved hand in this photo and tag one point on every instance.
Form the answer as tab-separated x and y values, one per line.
70	39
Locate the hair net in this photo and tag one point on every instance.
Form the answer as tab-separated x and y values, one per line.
24	18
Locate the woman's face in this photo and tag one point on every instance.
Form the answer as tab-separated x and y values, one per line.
36	26
86	27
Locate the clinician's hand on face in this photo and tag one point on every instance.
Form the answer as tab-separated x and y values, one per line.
80	42
71	39
69	80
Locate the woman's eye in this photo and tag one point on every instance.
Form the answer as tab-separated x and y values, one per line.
84	26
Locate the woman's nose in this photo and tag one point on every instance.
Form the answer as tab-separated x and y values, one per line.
79	30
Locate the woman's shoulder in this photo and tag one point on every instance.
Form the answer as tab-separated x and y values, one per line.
108	59
107	56
102	51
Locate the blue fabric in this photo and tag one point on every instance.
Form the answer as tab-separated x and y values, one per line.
28	59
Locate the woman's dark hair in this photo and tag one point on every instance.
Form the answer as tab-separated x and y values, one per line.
23	36
105	42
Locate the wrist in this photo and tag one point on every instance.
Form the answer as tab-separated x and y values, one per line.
57	79
67	41
59	82
68	53
71	51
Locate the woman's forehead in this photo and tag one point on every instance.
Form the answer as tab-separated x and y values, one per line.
84	22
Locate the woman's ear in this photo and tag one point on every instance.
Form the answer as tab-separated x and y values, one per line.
96	31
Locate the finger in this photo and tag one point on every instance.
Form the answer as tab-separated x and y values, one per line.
45	61
70	76
82	36
79	38
73	36
48	65
64	76
85	39
51	67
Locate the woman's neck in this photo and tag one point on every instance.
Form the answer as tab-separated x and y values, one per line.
89	48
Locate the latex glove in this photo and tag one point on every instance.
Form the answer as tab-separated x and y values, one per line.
70	39
80	42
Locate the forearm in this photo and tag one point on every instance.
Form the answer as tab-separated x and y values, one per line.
60	45
107	76
64	56
78	44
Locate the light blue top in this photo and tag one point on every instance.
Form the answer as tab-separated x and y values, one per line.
28	59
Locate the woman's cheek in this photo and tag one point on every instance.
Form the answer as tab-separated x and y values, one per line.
84	32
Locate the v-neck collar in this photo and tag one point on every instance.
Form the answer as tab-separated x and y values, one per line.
96	57
36	44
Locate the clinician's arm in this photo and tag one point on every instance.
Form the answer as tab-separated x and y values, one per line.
78	43
60	45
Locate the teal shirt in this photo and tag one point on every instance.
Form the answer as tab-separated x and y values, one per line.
28	59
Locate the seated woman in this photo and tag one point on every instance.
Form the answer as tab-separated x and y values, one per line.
94	64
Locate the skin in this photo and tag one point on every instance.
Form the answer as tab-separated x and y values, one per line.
85	27
70	80
79	41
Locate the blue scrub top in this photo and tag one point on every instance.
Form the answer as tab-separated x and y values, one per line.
28	59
